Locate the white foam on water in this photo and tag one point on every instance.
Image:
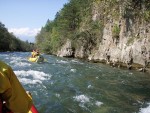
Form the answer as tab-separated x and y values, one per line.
85	101
81	98
29	81
16	58
90	86
17	61
57	95
31	76
97	77
74	60
73	70
62	61
97	103
6	56
22	64
145	110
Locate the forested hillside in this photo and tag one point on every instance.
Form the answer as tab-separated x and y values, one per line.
66	25
9	42
100	30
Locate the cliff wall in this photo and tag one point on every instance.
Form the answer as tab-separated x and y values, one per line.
124	41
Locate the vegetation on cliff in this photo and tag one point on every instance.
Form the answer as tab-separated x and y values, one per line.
82	21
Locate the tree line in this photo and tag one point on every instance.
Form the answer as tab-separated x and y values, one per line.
9	42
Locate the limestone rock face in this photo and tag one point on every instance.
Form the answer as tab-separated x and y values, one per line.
130	47
80	52
66	50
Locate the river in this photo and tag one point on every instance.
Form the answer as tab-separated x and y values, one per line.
65	85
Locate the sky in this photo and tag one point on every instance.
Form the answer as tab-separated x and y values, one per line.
26	17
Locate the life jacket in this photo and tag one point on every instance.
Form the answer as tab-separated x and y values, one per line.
34	54
12	91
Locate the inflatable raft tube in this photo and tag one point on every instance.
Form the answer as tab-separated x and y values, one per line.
33	109
3	109
39	58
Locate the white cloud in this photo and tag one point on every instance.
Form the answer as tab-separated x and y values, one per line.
24	31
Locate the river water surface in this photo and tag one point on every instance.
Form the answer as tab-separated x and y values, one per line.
62	85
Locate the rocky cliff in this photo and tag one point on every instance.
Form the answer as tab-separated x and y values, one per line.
124	42
129	48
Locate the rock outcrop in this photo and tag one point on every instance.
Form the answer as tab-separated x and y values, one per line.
131	49
66	50
128	46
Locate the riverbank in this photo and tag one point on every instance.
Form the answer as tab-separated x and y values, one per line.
134	56
134	66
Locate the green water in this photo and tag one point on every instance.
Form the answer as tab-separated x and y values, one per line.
62	85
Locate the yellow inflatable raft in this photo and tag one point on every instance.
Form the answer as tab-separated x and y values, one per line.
39	58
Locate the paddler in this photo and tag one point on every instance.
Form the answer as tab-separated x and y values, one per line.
12	93
35	53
